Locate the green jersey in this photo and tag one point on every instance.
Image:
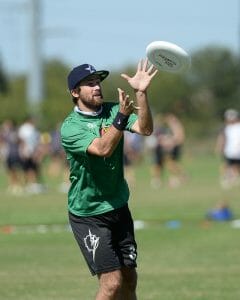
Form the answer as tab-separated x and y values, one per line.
97	183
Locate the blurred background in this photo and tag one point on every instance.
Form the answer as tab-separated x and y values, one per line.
178	177
42	40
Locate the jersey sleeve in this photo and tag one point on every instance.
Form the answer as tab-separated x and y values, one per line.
76	140
131	120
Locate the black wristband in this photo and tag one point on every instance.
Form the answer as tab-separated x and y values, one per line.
120	121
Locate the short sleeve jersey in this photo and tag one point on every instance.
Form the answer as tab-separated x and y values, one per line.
232	144
97	183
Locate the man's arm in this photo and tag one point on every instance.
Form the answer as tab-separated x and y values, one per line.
144	123
140	83
106	144
219	147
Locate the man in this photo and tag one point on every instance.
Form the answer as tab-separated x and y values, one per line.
92	136
174	151
228	144
30	153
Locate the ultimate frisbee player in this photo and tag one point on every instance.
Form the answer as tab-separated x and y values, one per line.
92	136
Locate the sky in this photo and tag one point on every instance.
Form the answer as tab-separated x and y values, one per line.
111	34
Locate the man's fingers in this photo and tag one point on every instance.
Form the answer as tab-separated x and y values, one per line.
130	103
151	69
145	64
154	73
121	94
139	68
136	107
124	100
125	76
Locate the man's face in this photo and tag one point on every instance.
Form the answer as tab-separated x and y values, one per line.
89	93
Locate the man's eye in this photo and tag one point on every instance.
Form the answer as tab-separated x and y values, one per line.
94	83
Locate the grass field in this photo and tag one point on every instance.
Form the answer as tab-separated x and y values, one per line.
193	261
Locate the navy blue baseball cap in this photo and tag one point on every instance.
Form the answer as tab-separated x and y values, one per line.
81	72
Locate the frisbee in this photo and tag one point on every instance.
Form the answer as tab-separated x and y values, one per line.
169	57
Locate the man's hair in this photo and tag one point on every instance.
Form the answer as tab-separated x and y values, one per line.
231	115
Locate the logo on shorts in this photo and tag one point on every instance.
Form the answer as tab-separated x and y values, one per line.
133	253
91	242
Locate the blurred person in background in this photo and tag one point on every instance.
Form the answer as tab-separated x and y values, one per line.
13	161
92	136
58	166
31	155
133	147
174	148
169	136
156	144
228	146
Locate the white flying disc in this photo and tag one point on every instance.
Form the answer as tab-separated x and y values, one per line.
168	57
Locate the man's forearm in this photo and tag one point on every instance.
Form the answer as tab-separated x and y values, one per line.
106	144
145	121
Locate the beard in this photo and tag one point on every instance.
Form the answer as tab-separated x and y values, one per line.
94	103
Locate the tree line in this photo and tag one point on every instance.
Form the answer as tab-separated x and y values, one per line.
199	97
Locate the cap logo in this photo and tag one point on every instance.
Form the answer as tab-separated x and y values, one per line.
90	69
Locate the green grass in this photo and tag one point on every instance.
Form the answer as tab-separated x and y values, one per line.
196	261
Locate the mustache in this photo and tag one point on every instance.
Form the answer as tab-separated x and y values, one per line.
98	94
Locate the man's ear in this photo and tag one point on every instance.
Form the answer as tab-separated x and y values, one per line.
75	93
